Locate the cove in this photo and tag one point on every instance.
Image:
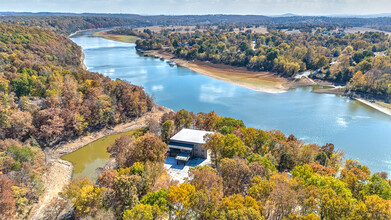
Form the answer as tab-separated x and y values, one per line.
362	132
92	156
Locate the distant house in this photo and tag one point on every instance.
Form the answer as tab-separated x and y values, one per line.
187	144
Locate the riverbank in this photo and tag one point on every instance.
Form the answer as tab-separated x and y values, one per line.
263	81
60	171
378	105
92	29
260	81
341	90
116	37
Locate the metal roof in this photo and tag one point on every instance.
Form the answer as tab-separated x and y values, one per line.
190	136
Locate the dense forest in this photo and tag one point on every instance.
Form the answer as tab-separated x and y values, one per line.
70	24
360	60
256	174
47	97
67	23
291	20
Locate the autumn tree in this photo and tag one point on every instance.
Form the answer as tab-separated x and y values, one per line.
7	201
283	198
85	196
180	198
183	119
214	144
143	149
168	129
354	174
236	176
239	207
120	148
148	148
207	121
142	212
205	177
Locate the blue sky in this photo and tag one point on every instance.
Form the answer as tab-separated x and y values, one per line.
264	7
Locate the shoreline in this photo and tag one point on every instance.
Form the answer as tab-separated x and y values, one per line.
267	81
60	171
71	146
340	90
79	31
376	106
259	81
116	37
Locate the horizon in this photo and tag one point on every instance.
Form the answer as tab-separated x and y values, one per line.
211	14
197	7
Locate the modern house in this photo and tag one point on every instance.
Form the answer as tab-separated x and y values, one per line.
187	144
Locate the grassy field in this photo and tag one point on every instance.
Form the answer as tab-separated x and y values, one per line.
121	38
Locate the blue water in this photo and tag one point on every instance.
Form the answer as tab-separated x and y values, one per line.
360	131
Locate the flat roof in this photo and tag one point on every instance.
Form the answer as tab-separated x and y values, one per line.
190	136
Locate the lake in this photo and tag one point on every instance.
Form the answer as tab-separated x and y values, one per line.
362	132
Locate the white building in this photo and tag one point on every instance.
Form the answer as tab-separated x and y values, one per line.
187	144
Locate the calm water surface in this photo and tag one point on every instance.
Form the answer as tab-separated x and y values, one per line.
361	131
92	156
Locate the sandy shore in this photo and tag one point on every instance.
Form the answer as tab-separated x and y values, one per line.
260	81
60	171
116	37
92	29
376	105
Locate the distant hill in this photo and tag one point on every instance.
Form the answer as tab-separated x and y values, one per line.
66	23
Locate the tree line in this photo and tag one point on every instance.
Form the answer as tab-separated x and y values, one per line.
67	23
362	61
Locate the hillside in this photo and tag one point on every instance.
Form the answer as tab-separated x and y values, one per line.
67	23
46	97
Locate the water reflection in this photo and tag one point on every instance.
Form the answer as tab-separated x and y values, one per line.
357	129
211	93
